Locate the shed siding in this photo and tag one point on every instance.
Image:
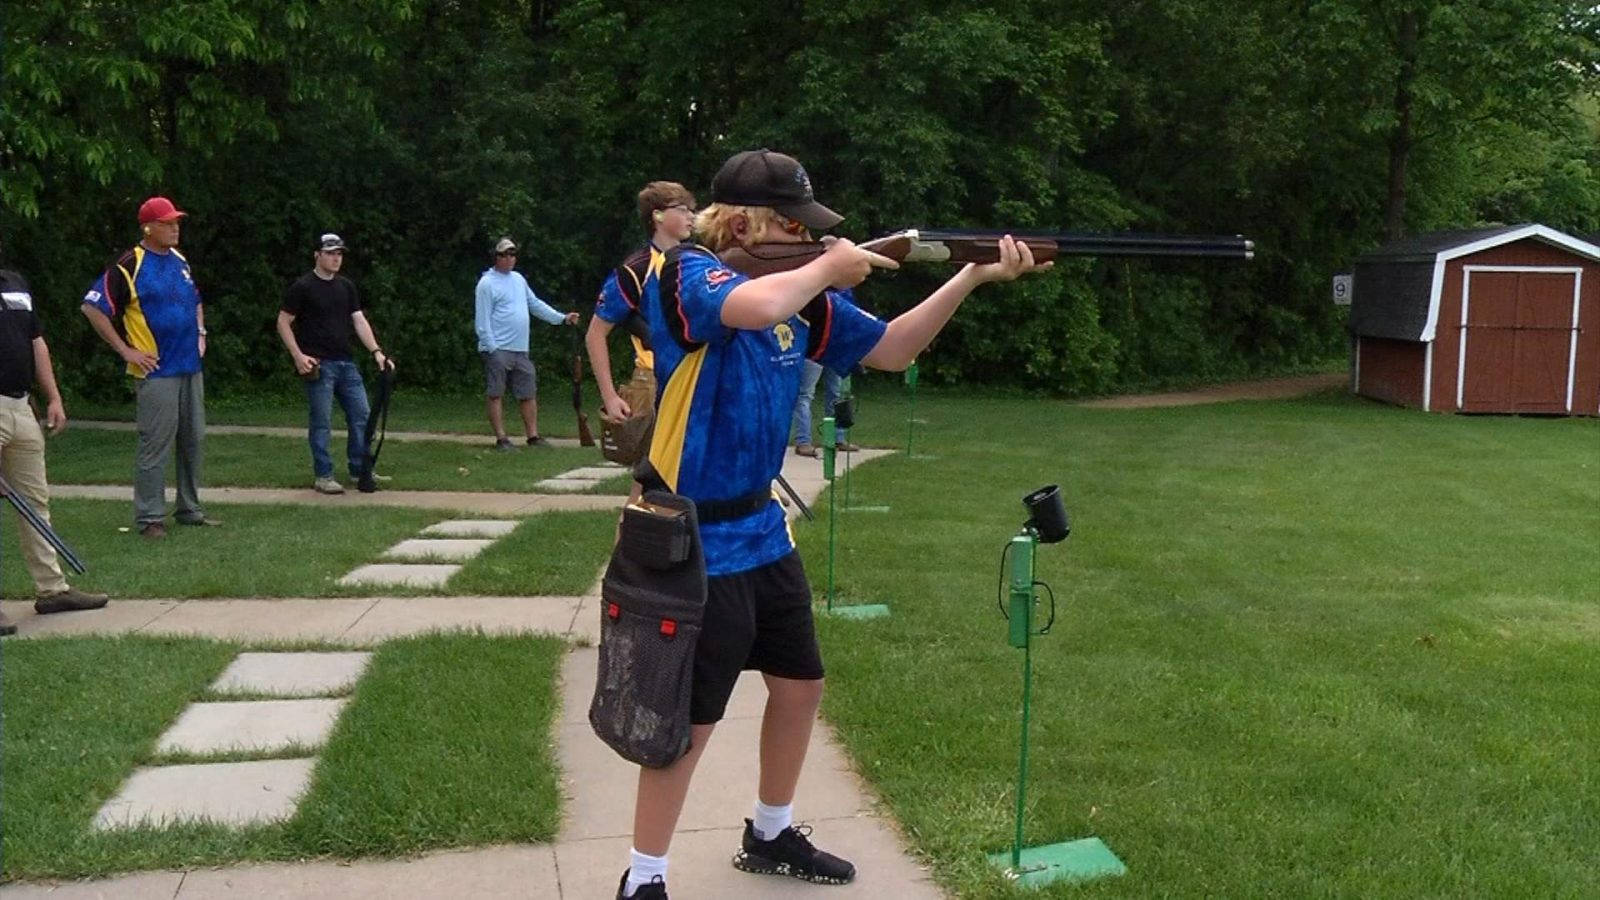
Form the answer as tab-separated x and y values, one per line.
1391	370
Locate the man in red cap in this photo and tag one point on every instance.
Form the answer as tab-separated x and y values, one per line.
147	308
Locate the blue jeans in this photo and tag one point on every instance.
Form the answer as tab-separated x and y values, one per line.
808	392
339	377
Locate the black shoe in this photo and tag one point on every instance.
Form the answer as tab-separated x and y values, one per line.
791	853
655	890
7	626
69	600
537	441
504	445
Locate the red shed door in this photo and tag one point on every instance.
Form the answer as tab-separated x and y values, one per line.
1518	339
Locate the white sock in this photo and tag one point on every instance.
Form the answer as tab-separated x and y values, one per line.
643	869
770	821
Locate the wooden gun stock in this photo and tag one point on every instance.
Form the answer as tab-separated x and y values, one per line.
585	436
929	245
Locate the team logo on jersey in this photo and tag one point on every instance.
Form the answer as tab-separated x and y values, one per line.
784	334
92	297
718	276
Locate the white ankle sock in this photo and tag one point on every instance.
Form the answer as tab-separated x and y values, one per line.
642	869
770	821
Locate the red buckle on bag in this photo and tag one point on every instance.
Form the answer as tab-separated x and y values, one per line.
613	611
668	628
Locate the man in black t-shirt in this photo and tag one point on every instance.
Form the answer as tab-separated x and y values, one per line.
321	312
24	362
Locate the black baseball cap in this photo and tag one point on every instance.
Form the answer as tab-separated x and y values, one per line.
330	241
765	178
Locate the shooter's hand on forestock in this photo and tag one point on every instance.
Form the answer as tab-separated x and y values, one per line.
1016	259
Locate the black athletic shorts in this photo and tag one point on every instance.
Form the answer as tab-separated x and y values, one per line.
760	619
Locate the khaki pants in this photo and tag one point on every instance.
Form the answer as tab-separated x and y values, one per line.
22	463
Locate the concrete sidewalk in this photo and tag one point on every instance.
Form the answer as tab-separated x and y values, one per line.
591	852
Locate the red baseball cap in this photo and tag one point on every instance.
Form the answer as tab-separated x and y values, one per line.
158	209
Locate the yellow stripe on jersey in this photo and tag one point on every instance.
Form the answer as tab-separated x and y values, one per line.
643	358
672	418
134	327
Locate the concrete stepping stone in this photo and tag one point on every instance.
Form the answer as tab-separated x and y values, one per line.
263	725
566	484
470	528
438	548
594	473
405	574
237	794
291	674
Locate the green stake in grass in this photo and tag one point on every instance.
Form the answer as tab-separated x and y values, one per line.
844	416
1080	860
911	420
857	611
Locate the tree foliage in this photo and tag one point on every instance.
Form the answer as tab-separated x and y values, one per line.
422	129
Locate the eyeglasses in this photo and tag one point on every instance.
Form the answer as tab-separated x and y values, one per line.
789	225
506	253
682	206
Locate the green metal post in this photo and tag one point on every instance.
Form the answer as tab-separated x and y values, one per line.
828	439
1022	599
911	421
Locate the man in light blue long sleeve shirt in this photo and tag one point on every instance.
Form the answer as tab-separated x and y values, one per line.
506	306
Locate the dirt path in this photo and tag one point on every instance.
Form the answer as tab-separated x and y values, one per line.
1268	389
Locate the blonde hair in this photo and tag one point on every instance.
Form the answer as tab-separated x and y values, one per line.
713	227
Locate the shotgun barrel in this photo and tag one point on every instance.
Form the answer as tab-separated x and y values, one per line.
32	517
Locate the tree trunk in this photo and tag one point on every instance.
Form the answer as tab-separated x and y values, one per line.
1394	205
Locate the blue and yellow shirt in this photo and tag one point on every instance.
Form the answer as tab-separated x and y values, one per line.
153	301
628	285
726	396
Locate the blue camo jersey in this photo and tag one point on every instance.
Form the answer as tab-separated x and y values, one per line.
152	298
725	396
628	285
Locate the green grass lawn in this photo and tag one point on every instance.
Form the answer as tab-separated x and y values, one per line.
296	551
98	456
446	742
1305	649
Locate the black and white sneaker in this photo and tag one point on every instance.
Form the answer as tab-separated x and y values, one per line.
655	890
791	853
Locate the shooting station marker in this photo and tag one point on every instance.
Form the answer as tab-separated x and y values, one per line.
1087	858
1080	860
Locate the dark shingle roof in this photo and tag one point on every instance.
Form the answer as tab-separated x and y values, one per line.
1420	247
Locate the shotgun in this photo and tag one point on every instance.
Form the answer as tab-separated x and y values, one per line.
585	436
32	517
918	245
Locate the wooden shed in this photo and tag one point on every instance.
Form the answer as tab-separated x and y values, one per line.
1492	320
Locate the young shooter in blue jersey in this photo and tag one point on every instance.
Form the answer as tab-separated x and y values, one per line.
728	357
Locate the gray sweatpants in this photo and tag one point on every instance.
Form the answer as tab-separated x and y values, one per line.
171	410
